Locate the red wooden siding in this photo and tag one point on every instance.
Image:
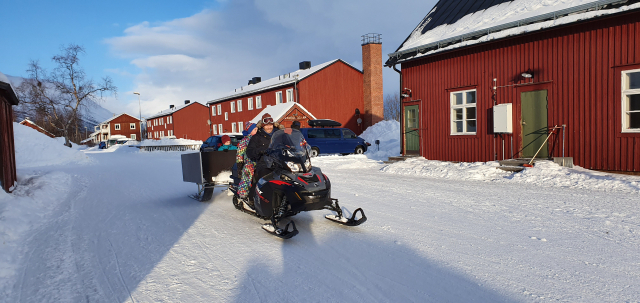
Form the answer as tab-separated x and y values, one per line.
580	65
8	175
191	122
334	93
125	126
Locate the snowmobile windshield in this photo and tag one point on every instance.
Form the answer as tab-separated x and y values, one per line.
290	141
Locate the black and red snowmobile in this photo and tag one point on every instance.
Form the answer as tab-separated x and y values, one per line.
293	186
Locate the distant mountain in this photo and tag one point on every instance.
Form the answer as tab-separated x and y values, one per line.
92	114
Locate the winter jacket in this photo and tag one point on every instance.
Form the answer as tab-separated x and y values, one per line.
227	147
242	149
258	145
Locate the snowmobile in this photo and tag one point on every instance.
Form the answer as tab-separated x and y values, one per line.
293	186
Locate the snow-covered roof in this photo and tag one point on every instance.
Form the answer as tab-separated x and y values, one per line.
279	110
278	81
42	130
457	23
172	110
4	84
112	118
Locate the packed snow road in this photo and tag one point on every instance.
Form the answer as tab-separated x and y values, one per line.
125	231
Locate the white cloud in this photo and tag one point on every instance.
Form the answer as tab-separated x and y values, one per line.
207	55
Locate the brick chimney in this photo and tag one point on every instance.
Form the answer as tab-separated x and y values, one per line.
372	68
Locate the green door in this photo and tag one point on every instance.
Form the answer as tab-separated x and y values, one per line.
411	131
534	123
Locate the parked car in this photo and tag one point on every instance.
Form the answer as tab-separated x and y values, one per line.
102	145
214	142
334	141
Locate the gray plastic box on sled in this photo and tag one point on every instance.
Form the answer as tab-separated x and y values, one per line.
202	168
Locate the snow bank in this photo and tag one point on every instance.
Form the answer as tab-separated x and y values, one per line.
165	142
545	174
388	132
36	149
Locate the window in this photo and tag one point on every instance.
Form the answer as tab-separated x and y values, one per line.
240	126
631	101
213	111
289	95
215	130
233	127
463	112
226	116
220	129
132	126
154	122
250	103
219	109
278	97
117	126
258	101
348	134
170	120
170	132
161	133
133	137
239	104
233	106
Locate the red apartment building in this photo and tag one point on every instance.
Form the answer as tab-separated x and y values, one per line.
188	121
333	90
123	124
577	66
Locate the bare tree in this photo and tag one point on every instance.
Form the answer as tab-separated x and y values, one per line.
58	96
392	107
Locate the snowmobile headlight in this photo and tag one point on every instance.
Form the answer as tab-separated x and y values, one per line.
307	165
294	167
285	178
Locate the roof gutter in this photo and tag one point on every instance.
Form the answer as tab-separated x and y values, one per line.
397	56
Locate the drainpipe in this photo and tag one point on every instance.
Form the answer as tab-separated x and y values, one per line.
401	109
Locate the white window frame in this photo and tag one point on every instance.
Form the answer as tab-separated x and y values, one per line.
233	106
215	129
463	106
279	99
258	101
226	116
250	104
239	105
220	130
155	122
133	136
219	109
132	126
289	95
161	133
626	92
116	126
233	127
240	126
213	111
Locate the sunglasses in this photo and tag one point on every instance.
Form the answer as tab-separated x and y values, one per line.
267	120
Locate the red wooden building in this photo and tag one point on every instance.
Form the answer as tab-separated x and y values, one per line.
31	124
333	90
8	177
188	121
123	124
576	66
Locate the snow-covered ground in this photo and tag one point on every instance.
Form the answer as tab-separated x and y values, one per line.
120	227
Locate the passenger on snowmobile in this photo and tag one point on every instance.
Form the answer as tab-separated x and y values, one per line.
246	166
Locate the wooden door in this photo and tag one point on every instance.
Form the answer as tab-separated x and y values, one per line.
534	123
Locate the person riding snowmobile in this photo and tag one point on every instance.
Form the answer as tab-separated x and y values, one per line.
259	144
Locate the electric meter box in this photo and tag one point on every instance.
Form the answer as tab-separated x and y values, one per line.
503	118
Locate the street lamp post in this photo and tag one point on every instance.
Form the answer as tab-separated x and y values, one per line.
140	113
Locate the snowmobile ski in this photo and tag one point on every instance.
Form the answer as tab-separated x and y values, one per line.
348	221
282	233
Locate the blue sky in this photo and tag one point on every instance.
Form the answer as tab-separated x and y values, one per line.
172	51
